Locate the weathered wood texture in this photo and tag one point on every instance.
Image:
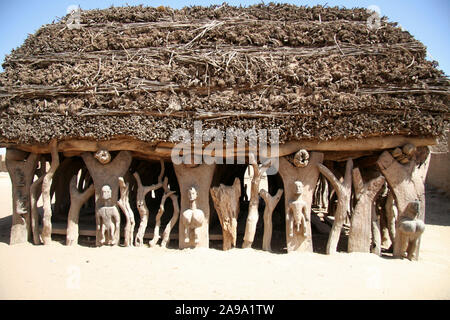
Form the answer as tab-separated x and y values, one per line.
106	175
343	191
142	205
21	167
226	203
253	214
200	177
163	150
308	175
271	202
359	239
77	199
124	205
46	234
408	185
156	235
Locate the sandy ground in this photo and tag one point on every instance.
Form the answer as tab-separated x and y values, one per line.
82	272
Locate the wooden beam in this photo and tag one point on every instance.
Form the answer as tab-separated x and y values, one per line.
154	150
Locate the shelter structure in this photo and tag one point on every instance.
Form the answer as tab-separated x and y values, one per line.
94	106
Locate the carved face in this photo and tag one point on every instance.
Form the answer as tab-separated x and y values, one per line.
298	187
192	194
106	192
301	158
103	156
412	210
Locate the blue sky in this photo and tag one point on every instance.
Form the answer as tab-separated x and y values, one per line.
427	21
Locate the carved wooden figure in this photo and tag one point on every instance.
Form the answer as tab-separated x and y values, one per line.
359	239
156	236
176	213
409	230
271	203
21	167
297	210
142	205
201	177
391	215
108	219
344	192
408	185
193	218
253	215
105	172
77	199
304	168
124	205
226	203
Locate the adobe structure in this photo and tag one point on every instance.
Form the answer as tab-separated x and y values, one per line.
88	110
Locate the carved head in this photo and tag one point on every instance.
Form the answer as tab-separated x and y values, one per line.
298	187
192	193
301	158
103	156
106	192
412	209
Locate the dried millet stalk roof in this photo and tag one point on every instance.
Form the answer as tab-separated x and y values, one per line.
141	72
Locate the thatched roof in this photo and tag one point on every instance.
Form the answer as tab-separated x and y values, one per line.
141	72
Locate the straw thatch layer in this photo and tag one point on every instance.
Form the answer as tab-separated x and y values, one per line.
314	73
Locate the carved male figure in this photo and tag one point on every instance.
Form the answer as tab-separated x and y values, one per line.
410	229
297	209
193	218
106	171
108	219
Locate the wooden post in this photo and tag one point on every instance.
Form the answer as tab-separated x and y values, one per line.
167	193
226	203
174	219
21	167
199	176
106	173
35	193
308	173
46	234
408	185
360	228
124	205
253	214
77	199
271	203
343	191
142	205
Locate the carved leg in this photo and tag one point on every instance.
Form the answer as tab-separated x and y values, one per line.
376	234
156	236
35	193
343	191
142	206
46	234
271	203
124	205
253	214
360	228
226	203
21	167
391	216
172	222
77	200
